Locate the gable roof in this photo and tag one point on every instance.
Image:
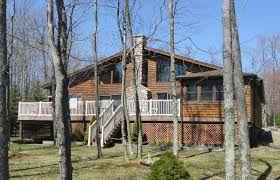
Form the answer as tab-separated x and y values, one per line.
183	58
87	72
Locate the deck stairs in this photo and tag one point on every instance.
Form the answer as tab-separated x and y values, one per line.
110	123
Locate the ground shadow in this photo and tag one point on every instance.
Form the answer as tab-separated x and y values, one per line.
34	174
213	175
30	168
193	155
265	174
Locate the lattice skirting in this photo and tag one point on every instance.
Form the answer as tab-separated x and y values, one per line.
193	133
80	125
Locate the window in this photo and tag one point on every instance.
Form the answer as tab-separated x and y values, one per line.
73	101
163	70
105	77
117	73
164	96
207	92
192	92
180	69
219	91
105	98
117	100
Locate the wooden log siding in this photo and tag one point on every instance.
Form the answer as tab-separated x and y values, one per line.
212	109
86	89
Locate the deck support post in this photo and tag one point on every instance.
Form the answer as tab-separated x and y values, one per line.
181	115
20	130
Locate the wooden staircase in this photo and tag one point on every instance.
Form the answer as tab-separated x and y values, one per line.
110	124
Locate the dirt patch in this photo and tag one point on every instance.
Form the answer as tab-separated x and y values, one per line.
123	165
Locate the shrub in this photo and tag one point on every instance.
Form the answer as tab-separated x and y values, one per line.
78	135
168	167
134	135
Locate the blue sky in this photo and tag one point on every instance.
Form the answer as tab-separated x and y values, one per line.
255	17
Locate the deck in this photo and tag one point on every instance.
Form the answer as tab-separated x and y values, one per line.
84	110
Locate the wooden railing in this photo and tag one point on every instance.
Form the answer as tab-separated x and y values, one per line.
109	126
80	108
104	117
154	107
35	108
150	107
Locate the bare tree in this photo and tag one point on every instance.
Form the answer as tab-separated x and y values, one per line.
122	31
232	65
173	80
98	141
4	123
59	58
243	127
134	83
228	92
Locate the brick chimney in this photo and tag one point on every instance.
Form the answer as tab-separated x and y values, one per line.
139	43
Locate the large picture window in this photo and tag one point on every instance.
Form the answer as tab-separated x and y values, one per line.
219	91
180	69
207	92
192	92
117	73
164	96
105	77
163	70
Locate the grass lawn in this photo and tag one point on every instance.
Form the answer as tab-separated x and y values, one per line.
29	161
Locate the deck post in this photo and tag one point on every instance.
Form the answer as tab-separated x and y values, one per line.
40	108
102	136
151	106
86	108
181	114
89	135
20	130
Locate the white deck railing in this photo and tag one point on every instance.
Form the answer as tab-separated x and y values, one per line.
150	107
154	107
79	108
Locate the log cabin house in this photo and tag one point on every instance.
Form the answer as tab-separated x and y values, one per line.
199	93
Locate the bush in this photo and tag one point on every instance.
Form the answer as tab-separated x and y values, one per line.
168	167
78	135
134	135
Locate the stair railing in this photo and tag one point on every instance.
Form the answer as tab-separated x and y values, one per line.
109	126
104	115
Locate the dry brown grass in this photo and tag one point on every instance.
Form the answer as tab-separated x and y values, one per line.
40	162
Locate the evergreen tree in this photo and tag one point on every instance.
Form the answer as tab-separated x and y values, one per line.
36	93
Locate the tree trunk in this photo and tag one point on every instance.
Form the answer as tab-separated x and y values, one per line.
123	100
4	123
134	86
228	93
124	103
62	111
98	140
53	107
243	128
173	81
